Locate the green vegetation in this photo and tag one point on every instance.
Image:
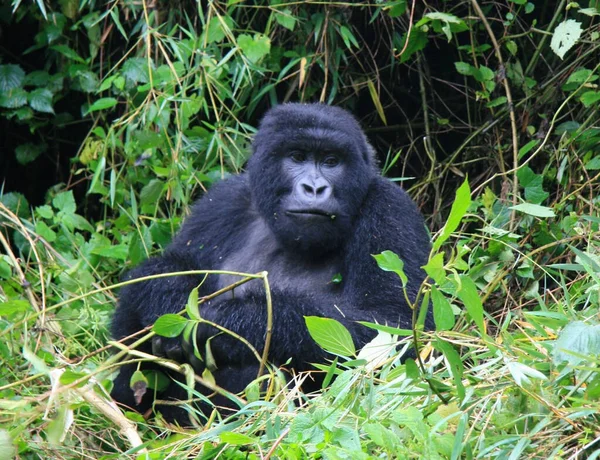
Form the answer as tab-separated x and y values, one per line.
132	109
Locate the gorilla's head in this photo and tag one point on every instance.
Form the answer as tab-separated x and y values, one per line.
309	174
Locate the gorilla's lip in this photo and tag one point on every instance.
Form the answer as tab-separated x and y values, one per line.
309	213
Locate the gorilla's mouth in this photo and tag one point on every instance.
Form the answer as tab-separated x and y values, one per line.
310	213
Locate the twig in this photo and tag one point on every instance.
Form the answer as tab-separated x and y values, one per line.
511	108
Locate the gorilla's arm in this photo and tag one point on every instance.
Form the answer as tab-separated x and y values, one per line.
290	338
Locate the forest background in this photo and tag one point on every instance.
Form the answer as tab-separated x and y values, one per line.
115	116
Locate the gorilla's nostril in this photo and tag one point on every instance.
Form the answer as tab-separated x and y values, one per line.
308	189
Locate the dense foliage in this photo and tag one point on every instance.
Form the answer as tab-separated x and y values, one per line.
115	115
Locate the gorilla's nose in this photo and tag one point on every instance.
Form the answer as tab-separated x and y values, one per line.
314	191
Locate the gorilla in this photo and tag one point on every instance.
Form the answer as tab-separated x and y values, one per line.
311	210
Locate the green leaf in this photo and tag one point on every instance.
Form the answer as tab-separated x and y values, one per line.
169	325
26	153
11	77
532	183
215	32
521	373
462	201
442	311
102	104
120	251
565	36
331	335
236	439
254	48
7	447
68	52
13	306
593	164
135	70
13	98
575	342
527	147
469	296
390	262
589	98
41	100
45	232
191	307
534	210
285	18
496	102
435	268
464	68
456	365
65	202
5	272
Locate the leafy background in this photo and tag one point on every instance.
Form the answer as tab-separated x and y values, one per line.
115	116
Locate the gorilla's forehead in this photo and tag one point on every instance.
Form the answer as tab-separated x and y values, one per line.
318	139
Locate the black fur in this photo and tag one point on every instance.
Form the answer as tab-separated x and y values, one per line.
311	205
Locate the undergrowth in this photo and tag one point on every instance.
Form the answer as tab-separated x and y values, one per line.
154	102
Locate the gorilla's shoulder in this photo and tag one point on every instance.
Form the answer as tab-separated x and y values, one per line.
222	211
390	198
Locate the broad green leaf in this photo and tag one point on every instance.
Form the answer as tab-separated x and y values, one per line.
565	36
462	201
65	202
102	104
68	52
593	164
7	447
69	376
26	153
58	428
534	210
575	342
442	311
13	306
169	325
533	185
285	18
236	439
469	296
11	77
464	68
13	98
215	32
254	48
390	262
135	70
41	100
589	98
496	102
377	350
5	273
331	335
45	232
435	268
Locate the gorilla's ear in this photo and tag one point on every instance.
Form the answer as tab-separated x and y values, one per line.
370	155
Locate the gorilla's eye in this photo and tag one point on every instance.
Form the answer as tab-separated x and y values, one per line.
298	157
331	160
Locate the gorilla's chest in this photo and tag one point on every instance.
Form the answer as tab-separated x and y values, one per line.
287	271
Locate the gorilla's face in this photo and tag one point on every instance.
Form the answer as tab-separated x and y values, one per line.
309	174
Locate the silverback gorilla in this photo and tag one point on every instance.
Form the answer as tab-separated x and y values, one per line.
311	205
